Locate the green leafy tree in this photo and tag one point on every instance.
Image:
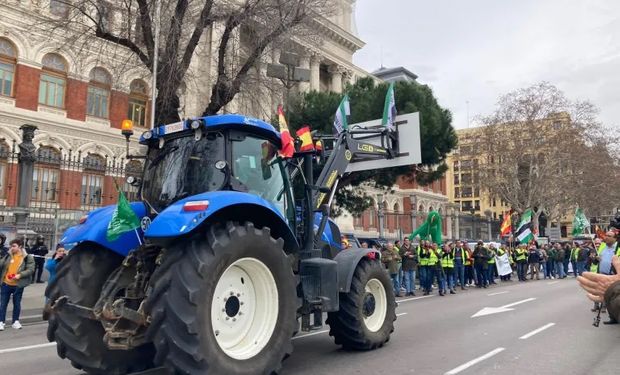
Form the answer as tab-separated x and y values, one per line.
438	137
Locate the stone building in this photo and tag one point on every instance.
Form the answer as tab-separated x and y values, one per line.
78	101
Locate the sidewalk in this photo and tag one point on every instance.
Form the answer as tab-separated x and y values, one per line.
32	304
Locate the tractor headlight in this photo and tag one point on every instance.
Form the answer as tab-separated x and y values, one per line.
147	134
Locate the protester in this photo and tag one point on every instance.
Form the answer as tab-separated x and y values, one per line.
447	270
470	276
500	253
582	257
492	252
409	257
481	258
435	267
521	259
566	262
533	260
39	251
559	261
603	288
460	259
16	269
390	258
423	267
549	265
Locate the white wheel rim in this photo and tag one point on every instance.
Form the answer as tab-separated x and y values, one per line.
374	307
244	311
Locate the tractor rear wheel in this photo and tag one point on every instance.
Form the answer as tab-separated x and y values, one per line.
80	276
227	305
367	312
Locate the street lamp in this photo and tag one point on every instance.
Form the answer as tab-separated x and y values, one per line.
289	72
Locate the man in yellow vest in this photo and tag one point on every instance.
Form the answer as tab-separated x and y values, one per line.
521	258
424	258
434	267
492	269
447	267
460	261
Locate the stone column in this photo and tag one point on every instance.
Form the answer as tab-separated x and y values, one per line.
315	72
25	164
304	63
457	228
336	72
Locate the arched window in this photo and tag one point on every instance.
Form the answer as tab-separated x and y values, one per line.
396	216
371	215
4	163
92	180
46	175
137	102
8	57
99	93
53	81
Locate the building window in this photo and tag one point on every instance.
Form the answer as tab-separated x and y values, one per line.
466	192
466	178
371	217
137	103
457	179
455	165
457	192
99	93
53	81
45	184
8	57
92	180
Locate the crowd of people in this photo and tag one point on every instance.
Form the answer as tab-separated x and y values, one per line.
21	266
456	264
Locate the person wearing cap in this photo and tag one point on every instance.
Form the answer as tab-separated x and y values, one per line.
39	251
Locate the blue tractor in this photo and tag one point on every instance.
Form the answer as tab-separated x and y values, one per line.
228	264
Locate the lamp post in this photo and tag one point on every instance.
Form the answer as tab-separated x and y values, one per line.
290	73
381	214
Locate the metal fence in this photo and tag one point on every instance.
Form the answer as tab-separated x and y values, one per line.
65	186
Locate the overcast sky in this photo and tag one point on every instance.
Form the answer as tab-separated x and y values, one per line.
476	50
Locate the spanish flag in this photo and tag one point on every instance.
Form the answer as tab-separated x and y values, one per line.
288	147
506	227
306	139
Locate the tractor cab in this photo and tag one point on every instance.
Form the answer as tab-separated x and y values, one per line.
229	152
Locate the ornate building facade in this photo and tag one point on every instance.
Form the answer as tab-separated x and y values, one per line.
78	103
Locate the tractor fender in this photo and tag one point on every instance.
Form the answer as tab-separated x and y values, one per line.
347	263
223	206
95	226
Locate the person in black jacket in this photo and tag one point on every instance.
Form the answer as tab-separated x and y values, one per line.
4	250
39	250
481	258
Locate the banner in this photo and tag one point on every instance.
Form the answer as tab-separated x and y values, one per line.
503	265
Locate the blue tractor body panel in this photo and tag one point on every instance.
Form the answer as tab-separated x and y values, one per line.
174	221
95	227
229	121
328	235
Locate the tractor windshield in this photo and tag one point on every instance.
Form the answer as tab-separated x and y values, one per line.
183	167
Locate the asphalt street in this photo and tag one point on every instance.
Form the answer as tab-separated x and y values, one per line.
540	327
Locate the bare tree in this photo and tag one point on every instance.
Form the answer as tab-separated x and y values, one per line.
540	150
117	27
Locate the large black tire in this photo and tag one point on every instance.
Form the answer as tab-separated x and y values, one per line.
183	291
80	276
348	326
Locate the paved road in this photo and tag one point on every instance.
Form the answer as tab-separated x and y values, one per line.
549	331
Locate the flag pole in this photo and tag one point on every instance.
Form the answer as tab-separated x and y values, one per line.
138	235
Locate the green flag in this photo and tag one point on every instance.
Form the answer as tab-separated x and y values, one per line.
340	121
580	222
524	230
123	219
389	108
430	228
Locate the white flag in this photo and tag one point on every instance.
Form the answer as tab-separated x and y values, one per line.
344	110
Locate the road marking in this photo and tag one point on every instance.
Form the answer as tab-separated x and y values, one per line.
413	299
401	314
12	350
518	302
553	282
495	310
494	294
467	365
538	330
310	334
